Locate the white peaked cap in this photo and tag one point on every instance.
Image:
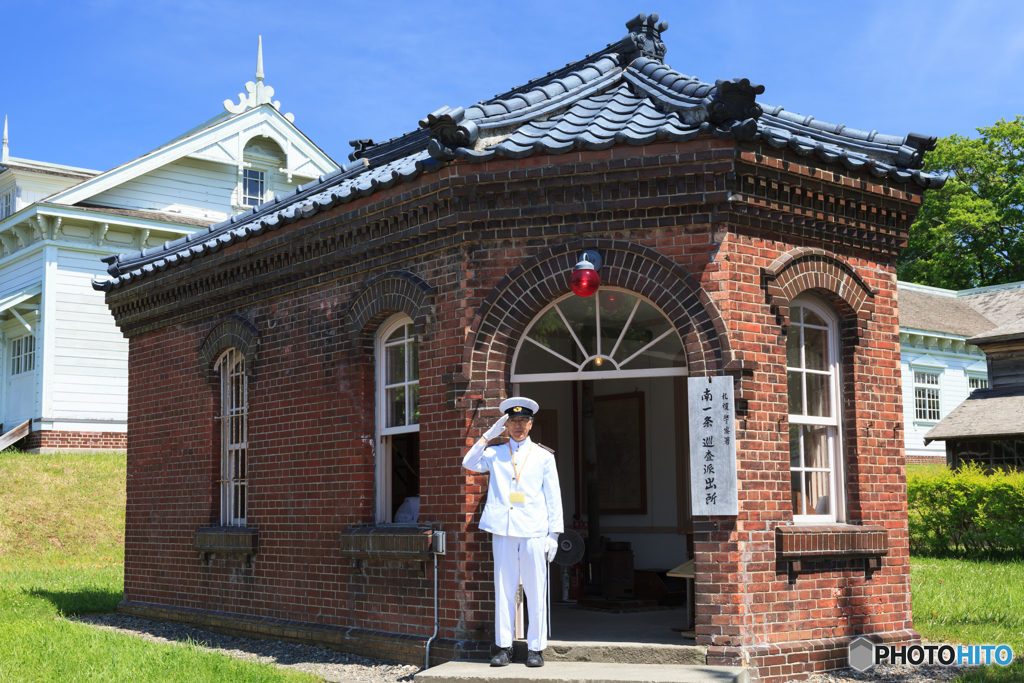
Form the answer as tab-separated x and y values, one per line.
526	407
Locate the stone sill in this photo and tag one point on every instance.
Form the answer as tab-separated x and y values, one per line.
388	542
830	541
227	541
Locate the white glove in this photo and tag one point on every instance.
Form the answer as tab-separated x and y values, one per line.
497	428
551	546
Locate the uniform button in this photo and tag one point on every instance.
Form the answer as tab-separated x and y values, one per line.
511	508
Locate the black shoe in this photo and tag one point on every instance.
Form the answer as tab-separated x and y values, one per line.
534	659
503	657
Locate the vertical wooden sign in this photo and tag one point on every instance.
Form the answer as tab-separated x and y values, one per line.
712	446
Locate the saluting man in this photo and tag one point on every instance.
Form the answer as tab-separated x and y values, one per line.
524	515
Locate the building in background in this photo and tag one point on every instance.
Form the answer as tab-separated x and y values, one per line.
940	367
988	427
65	363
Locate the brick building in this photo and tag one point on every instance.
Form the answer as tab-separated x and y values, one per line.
300	372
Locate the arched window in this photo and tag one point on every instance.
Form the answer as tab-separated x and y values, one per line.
234	440
398	421
612	334
262	157
812	375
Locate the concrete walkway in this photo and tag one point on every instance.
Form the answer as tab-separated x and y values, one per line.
577	672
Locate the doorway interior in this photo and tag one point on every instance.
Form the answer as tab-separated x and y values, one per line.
610	376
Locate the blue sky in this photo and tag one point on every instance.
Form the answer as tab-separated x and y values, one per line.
95	84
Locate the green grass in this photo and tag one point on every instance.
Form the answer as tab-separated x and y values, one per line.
62	554
971	602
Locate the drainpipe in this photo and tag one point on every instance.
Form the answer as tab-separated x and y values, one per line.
438	548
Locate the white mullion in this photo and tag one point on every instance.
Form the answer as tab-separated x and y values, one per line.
622	335
583	351
597	318
649	345
801	470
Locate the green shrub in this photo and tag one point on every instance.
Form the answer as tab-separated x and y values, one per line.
966	513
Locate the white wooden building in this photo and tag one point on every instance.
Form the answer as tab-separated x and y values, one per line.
65	363
939	368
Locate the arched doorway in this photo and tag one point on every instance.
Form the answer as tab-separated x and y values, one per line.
609	372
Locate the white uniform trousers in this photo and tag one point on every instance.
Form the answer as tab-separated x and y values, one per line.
518	558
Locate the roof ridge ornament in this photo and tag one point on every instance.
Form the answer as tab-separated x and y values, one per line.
259	94
645	38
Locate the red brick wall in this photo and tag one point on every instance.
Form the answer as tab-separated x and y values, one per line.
671	228
61	440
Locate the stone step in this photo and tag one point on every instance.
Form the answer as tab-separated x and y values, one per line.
622	653
579	672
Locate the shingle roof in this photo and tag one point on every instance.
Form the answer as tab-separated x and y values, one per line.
1002	307
621	94
938	313
985	413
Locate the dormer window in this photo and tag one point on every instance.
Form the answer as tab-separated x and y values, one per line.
258	175
6	205
253	187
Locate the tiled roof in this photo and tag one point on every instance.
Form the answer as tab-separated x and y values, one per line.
621	94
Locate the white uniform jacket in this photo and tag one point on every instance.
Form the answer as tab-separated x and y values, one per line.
541	512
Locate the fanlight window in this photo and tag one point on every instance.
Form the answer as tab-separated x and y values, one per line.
612	334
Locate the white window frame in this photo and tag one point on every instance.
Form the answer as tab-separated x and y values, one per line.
244	196
834	424
605	355
920	372
234	439
6	204
23	355
385	433
981	380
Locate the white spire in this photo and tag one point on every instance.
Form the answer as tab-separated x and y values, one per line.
258	93
3	155
259	61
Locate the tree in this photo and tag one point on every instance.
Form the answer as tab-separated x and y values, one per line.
970	233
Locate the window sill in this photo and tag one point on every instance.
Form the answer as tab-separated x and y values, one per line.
406	542
226	541
926	423
795	543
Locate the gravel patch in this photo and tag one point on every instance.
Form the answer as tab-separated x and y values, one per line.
891	673
328	664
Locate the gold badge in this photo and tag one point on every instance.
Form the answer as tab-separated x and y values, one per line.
517	496
517	409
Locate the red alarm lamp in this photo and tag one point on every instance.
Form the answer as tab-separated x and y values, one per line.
585	280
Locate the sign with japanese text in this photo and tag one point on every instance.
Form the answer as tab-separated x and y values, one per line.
712	446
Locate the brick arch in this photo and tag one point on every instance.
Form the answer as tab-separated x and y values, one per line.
397	291
815	270
237	332
520	296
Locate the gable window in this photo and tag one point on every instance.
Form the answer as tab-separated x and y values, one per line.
23	355
6	205
812	375
926	396
977	382
234	437
398	418
253	187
